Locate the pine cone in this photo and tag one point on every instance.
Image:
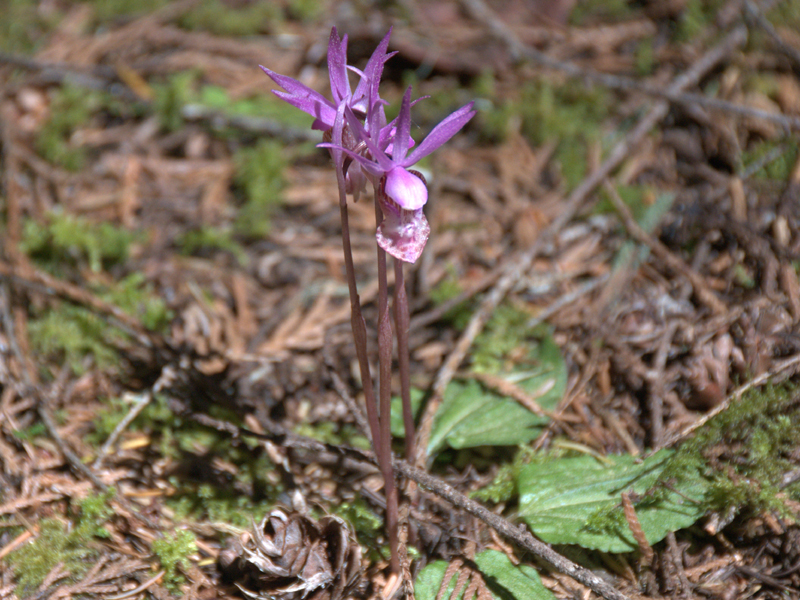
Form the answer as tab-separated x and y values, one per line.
290	557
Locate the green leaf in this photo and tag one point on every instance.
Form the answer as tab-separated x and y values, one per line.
521	582
471	415
577	500
504	580
429	581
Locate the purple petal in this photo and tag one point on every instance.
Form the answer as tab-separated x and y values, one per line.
406	189
321	110
303	97
440	134
366	90
292	86
337	66
376	120
358	130
355	181
336	151
400	144
403	233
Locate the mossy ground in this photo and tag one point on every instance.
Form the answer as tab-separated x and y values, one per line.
72	542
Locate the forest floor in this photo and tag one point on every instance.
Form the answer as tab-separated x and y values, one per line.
605	324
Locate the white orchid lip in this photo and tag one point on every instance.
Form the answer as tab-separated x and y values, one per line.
406	189
402	233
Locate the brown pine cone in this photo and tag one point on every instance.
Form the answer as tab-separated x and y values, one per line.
291	557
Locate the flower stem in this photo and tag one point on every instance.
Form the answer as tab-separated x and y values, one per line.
385	395
401	326
357	322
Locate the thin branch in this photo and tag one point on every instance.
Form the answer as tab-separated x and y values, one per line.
138	406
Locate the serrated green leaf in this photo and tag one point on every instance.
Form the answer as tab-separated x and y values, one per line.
577	500
504	580
471	415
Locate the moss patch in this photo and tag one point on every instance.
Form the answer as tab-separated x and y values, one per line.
71	542
259	179
67	240
746	450
174	550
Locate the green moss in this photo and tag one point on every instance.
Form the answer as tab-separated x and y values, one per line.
572	114
259	178
70	108
38	429
72	543
746	450
209	239
174	550
367	525
737	461
68	334
306	10
74	241
785	15
236	495
136	296
64	246
172	95
633	196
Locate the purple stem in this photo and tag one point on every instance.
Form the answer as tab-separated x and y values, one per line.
401	326
385	394
357	319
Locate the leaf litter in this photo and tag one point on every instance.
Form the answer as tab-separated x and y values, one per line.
153	244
